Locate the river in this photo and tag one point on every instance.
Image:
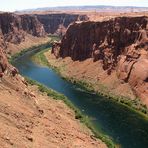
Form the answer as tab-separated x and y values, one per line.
125	126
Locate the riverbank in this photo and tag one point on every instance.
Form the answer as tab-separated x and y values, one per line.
78	114
62	67
29	118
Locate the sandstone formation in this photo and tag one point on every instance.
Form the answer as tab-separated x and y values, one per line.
58	23
3	62
121	44
13	28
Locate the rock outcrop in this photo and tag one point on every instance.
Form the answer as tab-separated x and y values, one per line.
14	27
58	23
56	49
121	44
3	62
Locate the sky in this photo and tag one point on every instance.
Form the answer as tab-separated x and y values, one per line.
13	5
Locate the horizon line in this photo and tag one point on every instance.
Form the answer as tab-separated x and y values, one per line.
82	6
120	6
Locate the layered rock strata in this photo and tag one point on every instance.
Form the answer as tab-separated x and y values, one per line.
121	44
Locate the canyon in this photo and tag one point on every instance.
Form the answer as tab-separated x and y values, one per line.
20	31
110	52
29	118
119	45
17	28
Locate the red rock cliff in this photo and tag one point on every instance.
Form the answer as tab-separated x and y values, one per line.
13	27
58	23
121	44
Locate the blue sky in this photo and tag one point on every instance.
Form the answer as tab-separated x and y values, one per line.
12	5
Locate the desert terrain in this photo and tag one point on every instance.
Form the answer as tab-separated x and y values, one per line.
28	117
31	119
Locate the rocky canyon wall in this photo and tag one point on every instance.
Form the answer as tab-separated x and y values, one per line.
14	28
121	44
58	23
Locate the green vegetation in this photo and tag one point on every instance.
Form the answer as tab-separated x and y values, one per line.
22	52
78	114
40	58
54	37
46	45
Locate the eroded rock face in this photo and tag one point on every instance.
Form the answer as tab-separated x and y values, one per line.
14	27
3	59
121	44
32	25
110	37
3	62
138	78
58	23
56	49
135	72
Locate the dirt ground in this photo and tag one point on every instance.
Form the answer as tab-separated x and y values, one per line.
29	119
